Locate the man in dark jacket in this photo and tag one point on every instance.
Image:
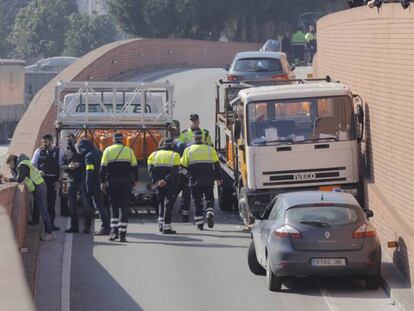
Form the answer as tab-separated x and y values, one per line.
74	166
48	159
93	191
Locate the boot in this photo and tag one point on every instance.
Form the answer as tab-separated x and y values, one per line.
200	227
210	220
123	237
114	234
169	231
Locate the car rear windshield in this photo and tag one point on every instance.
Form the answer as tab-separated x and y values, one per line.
330	215
257	64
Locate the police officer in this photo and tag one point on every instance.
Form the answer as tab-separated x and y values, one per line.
163	167
310	38
93	192
48	159
24	171
184	140
119	171
202	164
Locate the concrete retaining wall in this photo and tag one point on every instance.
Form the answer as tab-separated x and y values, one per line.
372	51
14	293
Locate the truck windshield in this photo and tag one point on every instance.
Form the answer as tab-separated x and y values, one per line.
300	121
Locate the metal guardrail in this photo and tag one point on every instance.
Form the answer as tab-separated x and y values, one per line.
14	292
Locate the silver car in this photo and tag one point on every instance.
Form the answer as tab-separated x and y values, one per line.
315	234
260	66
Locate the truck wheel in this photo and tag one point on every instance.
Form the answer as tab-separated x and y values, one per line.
225	198
64	206
254	266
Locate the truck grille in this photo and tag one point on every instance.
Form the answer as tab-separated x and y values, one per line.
307	176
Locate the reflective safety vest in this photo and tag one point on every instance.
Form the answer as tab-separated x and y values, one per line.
199	154
118	153
165	158
35	178
310	37
186	137
298	38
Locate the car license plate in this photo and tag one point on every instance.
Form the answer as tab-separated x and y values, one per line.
328	262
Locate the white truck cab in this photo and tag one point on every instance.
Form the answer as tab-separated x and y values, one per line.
296	136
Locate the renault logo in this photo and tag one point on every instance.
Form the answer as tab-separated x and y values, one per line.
327	234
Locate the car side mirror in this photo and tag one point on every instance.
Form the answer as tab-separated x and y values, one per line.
369	213
226	67
292	67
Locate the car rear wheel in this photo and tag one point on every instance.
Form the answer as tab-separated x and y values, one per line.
274	283
254	265
373	281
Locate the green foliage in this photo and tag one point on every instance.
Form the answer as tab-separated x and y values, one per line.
8	11
245	20
88	33
40	27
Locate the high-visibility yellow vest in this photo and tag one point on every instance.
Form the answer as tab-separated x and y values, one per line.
118	153
187	137
166	158
35	178
199	154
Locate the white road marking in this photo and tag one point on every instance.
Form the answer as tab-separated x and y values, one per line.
66	271
326	295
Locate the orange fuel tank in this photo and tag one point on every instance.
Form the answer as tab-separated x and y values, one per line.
144	145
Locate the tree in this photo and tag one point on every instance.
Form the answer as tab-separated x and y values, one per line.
40	27
8	11
88	33
244	20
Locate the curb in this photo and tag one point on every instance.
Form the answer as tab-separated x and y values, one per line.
397	287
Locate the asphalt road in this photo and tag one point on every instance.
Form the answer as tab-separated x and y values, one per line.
193	270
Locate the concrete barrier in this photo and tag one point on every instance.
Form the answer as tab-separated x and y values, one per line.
371	50
14	293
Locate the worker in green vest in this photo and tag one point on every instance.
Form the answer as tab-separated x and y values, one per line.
23	171
298	46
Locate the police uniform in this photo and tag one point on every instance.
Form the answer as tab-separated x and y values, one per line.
163	166
202	164
186	139
49	161
119	169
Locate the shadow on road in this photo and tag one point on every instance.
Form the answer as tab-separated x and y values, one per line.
96	289
338	287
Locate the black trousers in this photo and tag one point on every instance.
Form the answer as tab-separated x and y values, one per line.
185	190
198	192
166	197
298	52
119	194
51	197
75	188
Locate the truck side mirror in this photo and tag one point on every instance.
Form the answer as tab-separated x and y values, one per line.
226	67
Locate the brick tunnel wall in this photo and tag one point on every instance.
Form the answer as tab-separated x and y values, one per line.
106	63
372	51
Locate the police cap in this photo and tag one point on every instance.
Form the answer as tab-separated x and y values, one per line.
118	136
194	117
168	141
198	134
